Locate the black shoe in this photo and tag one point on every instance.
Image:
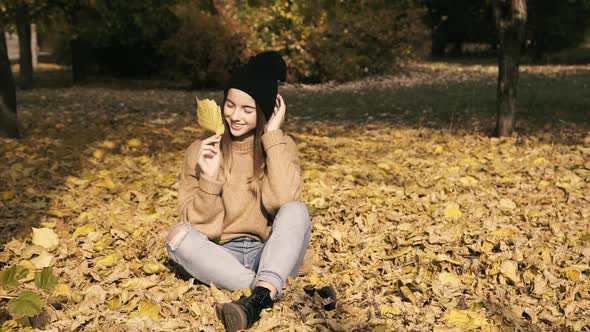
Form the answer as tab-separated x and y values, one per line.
327	293
243	313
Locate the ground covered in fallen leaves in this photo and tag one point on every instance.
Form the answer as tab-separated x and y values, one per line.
421	221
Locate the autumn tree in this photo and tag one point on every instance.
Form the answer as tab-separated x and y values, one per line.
8	120
510	17
23	27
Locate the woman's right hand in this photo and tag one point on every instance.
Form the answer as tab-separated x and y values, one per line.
209	158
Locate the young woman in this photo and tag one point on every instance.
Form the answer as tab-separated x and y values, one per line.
242	222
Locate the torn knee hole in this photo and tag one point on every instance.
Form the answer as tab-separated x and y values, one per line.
176	234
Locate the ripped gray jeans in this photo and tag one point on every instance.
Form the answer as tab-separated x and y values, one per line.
242	262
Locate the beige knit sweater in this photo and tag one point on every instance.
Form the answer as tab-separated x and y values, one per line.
225	210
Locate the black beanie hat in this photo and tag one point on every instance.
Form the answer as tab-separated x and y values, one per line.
259	79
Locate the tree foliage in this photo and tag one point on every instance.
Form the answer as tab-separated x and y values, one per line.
551	26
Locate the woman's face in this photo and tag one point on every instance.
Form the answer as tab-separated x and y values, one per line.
239	111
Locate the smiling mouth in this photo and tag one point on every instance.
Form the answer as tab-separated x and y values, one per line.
234	126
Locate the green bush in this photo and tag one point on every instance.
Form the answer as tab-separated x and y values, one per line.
365	38
557	25
336	40
202	49
285	26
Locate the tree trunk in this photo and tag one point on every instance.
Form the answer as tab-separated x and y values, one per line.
510	17
8	120
79	60
23	25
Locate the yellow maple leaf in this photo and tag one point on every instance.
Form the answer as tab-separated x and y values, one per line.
209	116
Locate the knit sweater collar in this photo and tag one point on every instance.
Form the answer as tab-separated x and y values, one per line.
246	145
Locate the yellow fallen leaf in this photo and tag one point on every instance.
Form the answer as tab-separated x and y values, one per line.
103	243
106	183
408	295
337	235
30	251
149	309
48	224
98	154
153	267
452	211
448	259
487	247
449	280
209	116
218	295
389	310
134	142
506	204
504	232
45	237
63	290
137	232
399	252
314	279
109	260
466	319
108	144
539	161
6	195
469	181
103	173
84	230
384	166
543	184
140	283
438	149
43	260
509	269
469	162
572	273
10	325
115	302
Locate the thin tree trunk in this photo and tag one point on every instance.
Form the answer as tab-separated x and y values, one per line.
8	120
510	17
79	60
23	26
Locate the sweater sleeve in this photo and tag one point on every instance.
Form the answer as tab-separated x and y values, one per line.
199	197
282	183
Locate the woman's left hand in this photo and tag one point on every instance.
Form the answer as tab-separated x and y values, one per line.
278	116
